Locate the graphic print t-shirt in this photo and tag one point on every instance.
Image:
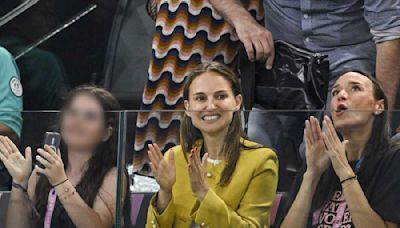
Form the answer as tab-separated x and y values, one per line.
382	195
335	214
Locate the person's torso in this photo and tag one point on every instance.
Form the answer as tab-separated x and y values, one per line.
335	213
232	193
334	27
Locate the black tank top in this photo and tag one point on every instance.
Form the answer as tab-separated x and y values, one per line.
60	217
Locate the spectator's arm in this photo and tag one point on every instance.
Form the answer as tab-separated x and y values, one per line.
388	68
10	97
300	209
361	211
250	33
6	131
384	20
103	212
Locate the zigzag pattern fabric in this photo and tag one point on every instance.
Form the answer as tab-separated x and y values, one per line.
187	32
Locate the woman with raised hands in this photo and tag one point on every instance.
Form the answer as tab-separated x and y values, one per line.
216	177
352	178
74	187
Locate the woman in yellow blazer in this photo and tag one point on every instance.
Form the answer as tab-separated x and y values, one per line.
215	178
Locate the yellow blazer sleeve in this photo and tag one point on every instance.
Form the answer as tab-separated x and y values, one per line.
165	219
254	209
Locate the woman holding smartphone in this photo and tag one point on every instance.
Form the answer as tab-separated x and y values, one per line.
216	177
75	187
353	182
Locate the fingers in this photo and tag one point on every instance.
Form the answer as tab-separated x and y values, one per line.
153	159
40	170
4	141
28	154
155	154
4	151
171	157
271	54
4	147
258	46
330	131
46	155
318	128
156	151
307	140
50	150
153	169
307	132
11	145
43	161
193	161
204	161
315	128
249	49
3	158
196	159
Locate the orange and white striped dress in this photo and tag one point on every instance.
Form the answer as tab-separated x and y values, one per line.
187	32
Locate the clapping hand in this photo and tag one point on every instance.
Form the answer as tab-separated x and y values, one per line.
198	173
165	173
317	157
337	151
18	166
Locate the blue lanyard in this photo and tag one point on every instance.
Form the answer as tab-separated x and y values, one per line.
358	164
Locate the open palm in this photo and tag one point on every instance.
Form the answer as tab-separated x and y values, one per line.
316	156
18	166
163	169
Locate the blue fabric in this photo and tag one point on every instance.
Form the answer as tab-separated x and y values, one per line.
10	95
345	30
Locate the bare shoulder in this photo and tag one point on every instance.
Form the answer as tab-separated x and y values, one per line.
111	177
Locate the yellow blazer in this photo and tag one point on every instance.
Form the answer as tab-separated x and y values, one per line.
244	202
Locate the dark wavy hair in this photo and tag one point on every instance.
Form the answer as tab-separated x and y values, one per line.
190	134
377	145
103	159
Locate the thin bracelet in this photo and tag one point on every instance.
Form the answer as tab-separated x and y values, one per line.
350	178
62	182
27	199
18	186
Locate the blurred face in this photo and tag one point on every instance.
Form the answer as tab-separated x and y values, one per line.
82	126
211	103
353	103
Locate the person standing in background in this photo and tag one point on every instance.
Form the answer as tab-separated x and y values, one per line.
10	107
189	32
42	71
10	97
360	35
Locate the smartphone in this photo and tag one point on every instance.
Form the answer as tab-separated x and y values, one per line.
52	139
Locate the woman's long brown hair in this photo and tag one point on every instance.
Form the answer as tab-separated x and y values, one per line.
190	134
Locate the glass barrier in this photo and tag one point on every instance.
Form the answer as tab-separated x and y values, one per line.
84	172
129	183
280	130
